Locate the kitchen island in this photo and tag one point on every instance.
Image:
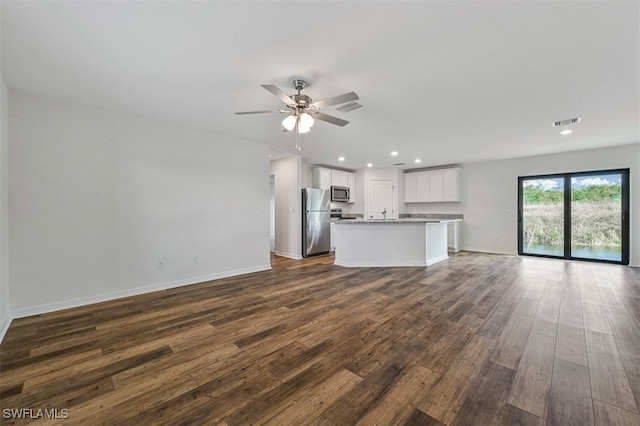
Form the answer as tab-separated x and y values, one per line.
399	242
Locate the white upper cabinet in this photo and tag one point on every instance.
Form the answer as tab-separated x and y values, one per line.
432	186
451	184
326	178
351	183
321	178
422	187
411	187
339	178
436	186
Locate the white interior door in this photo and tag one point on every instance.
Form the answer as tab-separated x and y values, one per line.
380	199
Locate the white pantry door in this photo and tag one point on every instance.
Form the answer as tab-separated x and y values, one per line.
380	198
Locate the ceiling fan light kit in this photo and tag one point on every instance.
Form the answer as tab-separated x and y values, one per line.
303	111
289	122
306	120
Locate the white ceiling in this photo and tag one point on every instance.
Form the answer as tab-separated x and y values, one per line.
449	82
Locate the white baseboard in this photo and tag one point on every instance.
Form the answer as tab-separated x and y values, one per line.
387	264
490	251
377	264
287	255
632	263
5	327
436	260
82	301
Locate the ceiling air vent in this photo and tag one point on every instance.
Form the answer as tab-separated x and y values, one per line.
400	164
567	122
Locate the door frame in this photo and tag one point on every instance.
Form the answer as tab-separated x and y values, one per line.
625	204
393	214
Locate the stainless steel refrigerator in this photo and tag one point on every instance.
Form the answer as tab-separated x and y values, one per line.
316	213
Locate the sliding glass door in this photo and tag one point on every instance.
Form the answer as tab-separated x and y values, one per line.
596	216
543	216
575	215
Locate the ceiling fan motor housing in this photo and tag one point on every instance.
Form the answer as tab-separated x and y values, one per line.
302	100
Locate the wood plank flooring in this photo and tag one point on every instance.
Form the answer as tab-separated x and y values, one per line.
478	339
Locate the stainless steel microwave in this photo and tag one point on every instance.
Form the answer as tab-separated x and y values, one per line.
340	193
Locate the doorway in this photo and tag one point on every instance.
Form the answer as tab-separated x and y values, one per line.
581	215
380	200
272	213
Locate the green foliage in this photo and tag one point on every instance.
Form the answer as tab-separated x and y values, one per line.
537	195
597	193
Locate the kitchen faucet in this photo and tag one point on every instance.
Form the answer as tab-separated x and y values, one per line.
384	214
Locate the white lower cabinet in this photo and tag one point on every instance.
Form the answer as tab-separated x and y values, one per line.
332	236
454	234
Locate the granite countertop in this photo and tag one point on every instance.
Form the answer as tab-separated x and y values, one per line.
401	220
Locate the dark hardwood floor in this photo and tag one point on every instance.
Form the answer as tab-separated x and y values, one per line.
476	340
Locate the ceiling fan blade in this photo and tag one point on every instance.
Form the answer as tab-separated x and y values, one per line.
330	119
275	90
351	96
348	107
260	112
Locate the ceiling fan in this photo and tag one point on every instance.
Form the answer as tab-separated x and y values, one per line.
302	110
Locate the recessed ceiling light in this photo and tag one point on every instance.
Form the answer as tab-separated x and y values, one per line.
417	160
369	165
566	132
340	158
394	153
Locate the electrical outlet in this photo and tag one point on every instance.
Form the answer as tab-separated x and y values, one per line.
161	264
196	260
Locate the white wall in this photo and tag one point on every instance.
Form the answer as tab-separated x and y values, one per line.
5	315
288	180
490	195
98	198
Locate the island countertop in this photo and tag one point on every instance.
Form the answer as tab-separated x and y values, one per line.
401	220
394	242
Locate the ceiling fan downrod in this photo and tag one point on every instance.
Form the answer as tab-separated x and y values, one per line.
302	102
299	84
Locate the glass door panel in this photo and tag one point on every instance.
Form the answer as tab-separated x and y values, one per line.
596	216
543	216
583	215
